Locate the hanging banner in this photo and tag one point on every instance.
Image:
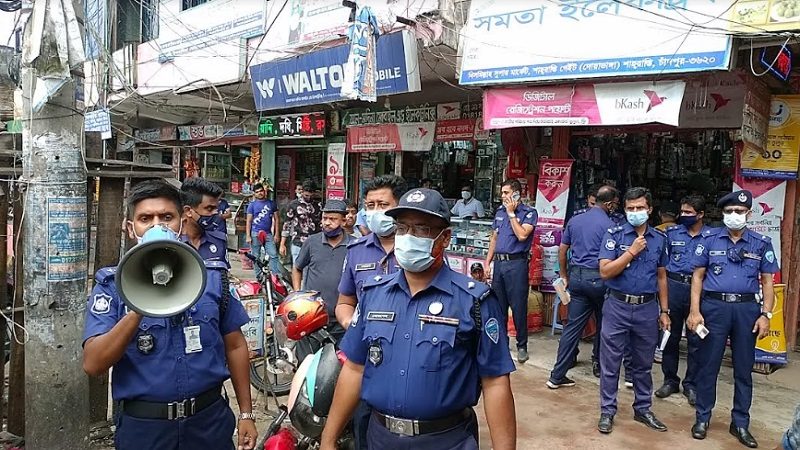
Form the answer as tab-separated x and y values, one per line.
391	137
768	207
552	191
780	157
455	130
334	178
713	101
360	70
584	104
550	239
772	348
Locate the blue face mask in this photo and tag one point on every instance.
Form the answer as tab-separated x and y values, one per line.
380	223
687	221
637	218
413	253
333	233
207	223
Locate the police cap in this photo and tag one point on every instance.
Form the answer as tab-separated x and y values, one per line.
737	198
426	201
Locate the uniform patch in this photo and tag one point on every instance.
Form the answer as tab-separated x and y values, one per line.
375	354
145	343
676	257
717	269
678	243
101	304
529	215
717	253
381	316
213	248
610	244
742	197
770	256
492	329
699	250
366	266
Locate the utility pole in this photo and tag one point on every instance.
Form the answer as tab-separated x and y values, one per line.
54	230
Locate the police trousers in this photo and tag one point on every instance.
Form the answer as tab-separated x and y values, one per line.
210	428
724	320
461	437
510	284
679	303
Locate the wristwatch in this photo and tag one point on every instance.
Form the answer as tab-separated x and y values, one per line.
247	416
512	215
767	314
665	311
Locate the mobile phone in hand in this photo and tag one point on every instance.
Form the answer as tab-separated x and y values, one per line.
701	331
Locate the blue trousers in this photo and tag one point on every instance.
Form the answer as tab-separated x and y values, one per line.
269	246
587	293
724	320
210	428
460	437
510	284
679	303
361	419
634	326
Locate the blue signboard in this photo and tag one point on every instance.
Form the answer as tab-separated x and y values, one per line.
316	78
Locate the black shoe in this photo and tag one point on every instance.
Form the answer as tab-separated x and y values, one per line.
522	355
596	369
666	390
699	430
649	419
564	382
606	423
744	436
690	395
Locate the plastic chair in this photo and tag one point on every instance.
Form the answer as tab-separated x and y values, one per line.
556	323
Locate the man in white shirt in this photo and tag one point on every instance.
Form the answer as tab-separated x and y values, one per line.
468	207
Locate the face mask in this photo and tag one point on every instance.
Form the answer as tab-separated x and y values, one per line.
299	195
413	253
687	221
333	233
734	221
207	223
466	195
380	223
637	218
157	232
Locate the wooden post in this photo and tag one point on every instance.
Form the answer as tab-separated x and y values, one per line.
4	196
561	136
16	373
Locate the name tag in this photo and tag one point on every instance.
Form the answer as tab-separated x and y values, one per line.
678	243
363	267
381	316
717	253
452	321
752	256
624	247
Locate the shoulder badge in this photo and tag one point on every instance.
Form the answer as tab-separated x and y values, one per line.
770	256
378	280
492	329
101	304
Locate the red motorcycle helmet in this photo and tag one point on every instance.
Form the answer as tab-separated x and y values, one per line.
303	312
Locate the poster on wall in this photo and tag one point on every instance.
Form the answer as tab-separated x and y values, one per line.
550	239
391	137
552	191
768	207
284	163
335	171
780	157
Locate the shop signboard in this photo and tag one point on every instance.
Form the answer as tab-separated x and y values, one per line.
584	104
391	137
758	16
334	178
550	239
363	116
714	101
316	78
772	348
304	125
455	130
586	39
552	191
155	134
779	159
448	111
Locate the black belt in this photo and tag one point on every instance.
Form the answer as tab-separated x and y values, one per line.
679	277
731	298
170	411
410	427
509	256
632	299
585	270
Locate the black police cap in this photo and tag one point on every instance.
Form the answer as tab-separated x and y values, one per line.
426	201
737	198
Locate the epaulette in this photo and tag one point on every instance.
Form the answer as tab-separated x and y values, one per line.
471	286
105	275
615	229
358	241
378	280
580	211
216	265
674	227
711	232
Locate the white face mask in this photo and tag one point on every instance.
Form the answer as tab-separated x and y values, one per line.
414	254
466	195
734	221
380	223
159	231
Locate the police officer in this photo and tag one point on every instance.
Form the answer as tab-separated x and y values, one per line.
423	344
632	261
200	203
583	235
509	249
682	239
368	257
168	372
729	263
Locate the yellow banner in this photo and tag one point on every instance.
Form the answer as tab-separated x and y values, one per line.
759	15
772	348
780	158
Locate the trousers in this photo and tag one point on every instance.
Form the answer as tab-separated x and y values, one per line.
510	284
269	246
679	303
461	437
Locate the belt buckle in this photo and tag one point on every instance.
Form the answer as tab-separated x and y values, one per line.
633	299
732	298
403	427
179	410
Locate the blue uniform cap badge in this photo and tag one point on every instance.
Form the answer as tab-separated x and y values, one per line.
101	304
742	197
492	329
415	197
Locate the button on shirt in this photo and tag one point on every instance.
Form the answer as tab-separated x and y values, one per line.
680	248
213	246
467	209
322	261
639	277
584	234
262	211
419	370
507	241
166	373
366	259
734	268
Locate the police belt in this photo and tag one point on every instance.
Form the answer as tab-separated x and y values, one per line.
175	410
730	298
510	256
632	299
584	271
679	277
410	427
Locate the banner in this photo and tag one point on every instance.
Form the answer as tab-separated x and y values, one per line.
552	191
772	348
360	71
585	39
713	101
455	130
769	196
759	16
334	178
755	126
391	137
780	157
584	104
550	239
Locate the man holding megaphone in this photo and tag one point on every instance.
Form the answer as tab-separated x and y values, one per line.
165	321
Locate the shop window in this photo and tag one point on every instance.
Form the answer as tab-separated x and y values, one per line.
188	4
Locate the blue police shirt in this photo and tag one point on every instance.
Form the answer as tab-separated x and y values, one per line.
262	211
221	208
680	248
507	241
155	366
365	259
213	246
734	268
425	370
584	234
639	277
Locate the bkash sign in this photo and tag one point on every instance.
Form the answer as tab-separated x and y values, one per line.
316	78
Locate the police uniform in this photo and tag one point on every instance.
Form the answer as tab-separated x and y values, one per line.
630	316
680	248
170	360
213	246
510	272
730	310
583	233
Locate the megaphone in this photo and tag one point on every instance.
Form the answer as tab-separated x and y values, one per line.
161	276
